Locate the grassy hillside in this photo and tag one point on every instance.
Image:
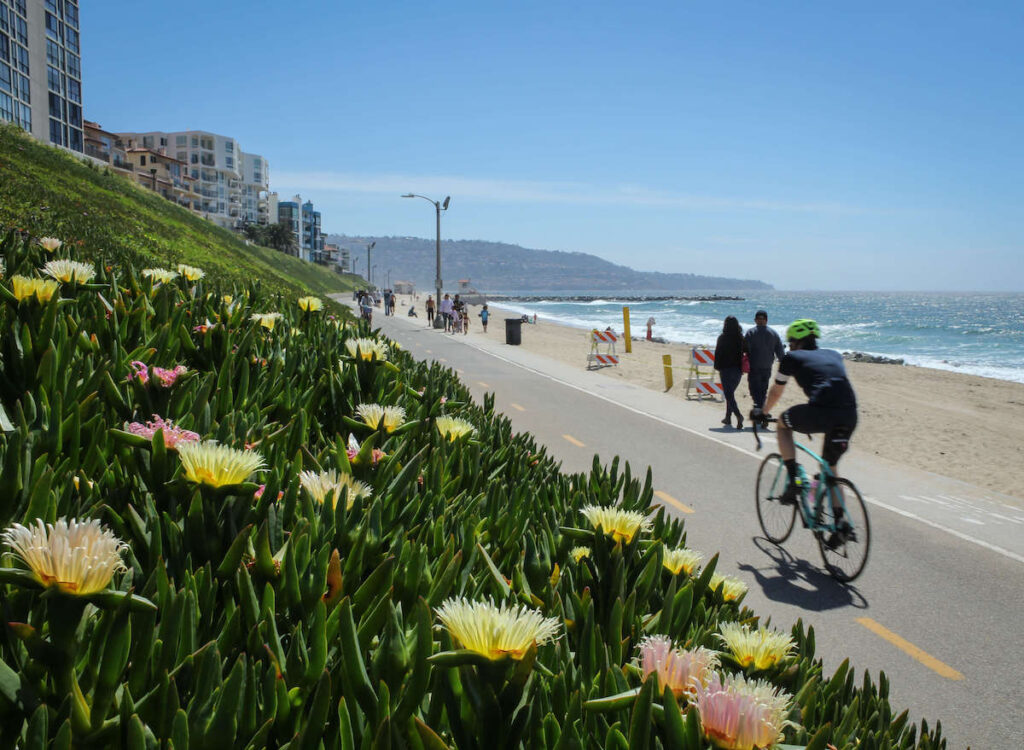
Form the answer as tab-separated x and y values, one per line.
49	193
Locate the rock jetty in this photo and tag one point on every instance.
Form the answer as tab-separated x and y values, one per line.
609	297
873	358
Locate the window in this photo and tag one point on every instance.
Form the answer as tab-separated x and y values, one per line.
74	139
51	5
54	55
74	65
6	107
22	57
147	141
195	142
181	141
163	141
74	114
230	162
56	132
207	143
74	91
52	26
229	147
23	88
5	77
71	14
194	159
71	39
56	106
181	156
5	47
142	160
20	30
53	79
207	160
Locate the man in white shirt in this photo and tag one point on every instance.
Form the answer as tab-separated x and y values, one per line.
446	312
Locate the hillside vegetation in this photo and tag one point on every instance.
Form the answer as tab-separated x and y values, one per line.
502	267
46	192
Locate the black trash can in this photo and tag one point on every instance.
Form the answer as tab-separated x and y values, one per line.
514	331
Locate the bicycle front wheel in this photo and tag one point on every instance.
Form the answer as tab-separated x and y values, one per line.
845	550
776	519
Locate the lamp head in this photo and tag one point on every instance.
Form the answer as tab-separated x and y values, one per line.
372	245
408	195
444	206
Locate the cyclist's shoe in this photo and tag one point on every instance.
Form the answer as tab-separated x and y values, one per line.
839	537
792	492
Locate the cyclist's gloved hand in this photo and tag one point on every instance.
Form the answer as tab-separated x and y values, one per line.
756	413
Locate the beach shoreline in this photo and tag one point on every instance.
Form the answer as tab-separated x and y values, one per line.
966	427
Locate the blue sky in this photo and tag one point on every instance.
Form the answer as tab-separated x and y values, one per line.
846	145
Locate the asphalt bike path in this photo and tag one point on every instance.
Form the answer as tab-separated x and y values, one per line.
940	604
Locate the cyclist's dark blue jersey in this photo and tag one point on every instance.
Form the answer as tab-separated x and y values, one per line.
822	376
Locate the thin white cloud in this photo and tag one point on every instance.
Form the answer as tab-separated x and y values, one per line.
528	191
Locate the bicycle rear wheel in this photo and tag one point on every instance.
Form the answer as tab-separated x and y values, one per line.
845	551
776	519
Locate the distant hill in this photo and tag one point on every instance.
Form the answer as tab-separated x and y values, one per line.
501	267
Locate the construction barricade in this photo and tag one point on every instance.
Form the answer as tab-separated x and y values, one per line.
701	377
598	358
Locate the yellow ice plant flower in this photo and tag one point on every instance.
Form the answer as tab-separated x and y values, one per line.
617	523
760	648
496	632
453	427
49	244
267	320
677	669
732	588
376	416
320	484
159	275
681	559
25	288
227	299
191	273
366	349
310	304
207	462
578	553
69	270
76	557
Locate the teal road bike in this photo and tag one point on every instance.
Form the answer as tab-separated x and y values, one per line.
830	506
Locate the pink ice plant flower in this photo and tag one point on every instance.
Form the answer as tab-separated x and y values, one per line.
741	714
172	434
676	668
164	377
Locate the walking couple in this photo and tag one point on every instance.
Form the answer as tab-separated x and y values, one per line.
752	353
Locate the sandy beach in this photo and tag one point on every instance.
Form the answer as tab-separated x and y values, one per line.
961	426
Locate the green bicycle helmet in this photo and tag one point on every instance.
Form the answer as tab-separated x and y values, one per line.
801	329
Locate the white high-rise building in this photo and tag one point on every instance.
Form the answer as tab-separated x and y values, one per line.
231	185
41	70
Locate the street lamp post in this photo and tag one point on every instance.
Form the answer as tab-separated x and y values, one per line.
439	206
369	247
371	274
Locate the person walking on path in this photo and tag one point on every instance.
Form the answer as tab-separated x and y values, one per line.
728	362
387	302
430	310
446	312
484	315
763	347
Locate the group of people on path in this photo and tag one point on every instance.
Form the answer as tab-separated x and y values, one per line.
831	408
454	313
389	301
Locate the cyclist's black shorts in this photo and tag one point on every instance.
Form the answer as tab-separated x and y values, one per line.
837	424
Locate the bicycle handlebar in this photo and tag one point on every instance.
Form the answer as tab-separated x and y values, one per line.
764	421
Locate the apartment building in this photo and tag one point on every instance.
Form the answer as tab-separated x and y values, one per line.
305	225
230	185
41	70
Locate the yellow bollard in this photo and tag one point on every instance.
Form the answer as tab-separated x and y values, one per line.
666	360
625	328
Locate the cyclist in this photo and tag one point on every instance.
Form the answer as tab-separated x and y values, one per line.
831	407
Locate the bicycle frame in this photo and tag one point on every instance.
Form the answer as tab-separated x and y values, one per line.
826	483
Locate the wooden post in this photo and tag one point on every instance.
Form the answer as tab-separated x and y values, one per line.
666	359
625	328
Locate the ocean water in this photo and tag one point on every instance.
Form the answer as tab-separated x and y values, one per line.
975	333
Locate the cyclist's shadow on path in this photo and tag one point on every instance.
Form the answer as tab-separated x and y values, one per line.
801	583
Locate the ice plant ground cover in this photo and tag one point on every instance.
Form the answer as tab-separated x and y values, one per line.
467	593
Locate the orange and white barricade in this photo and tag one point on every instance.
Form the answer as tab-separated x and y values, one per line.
701	378
598	358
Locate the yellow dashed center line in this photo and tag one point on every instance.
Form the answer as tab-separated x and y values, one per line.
574	441
482	384
517	407
672	501
910	649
